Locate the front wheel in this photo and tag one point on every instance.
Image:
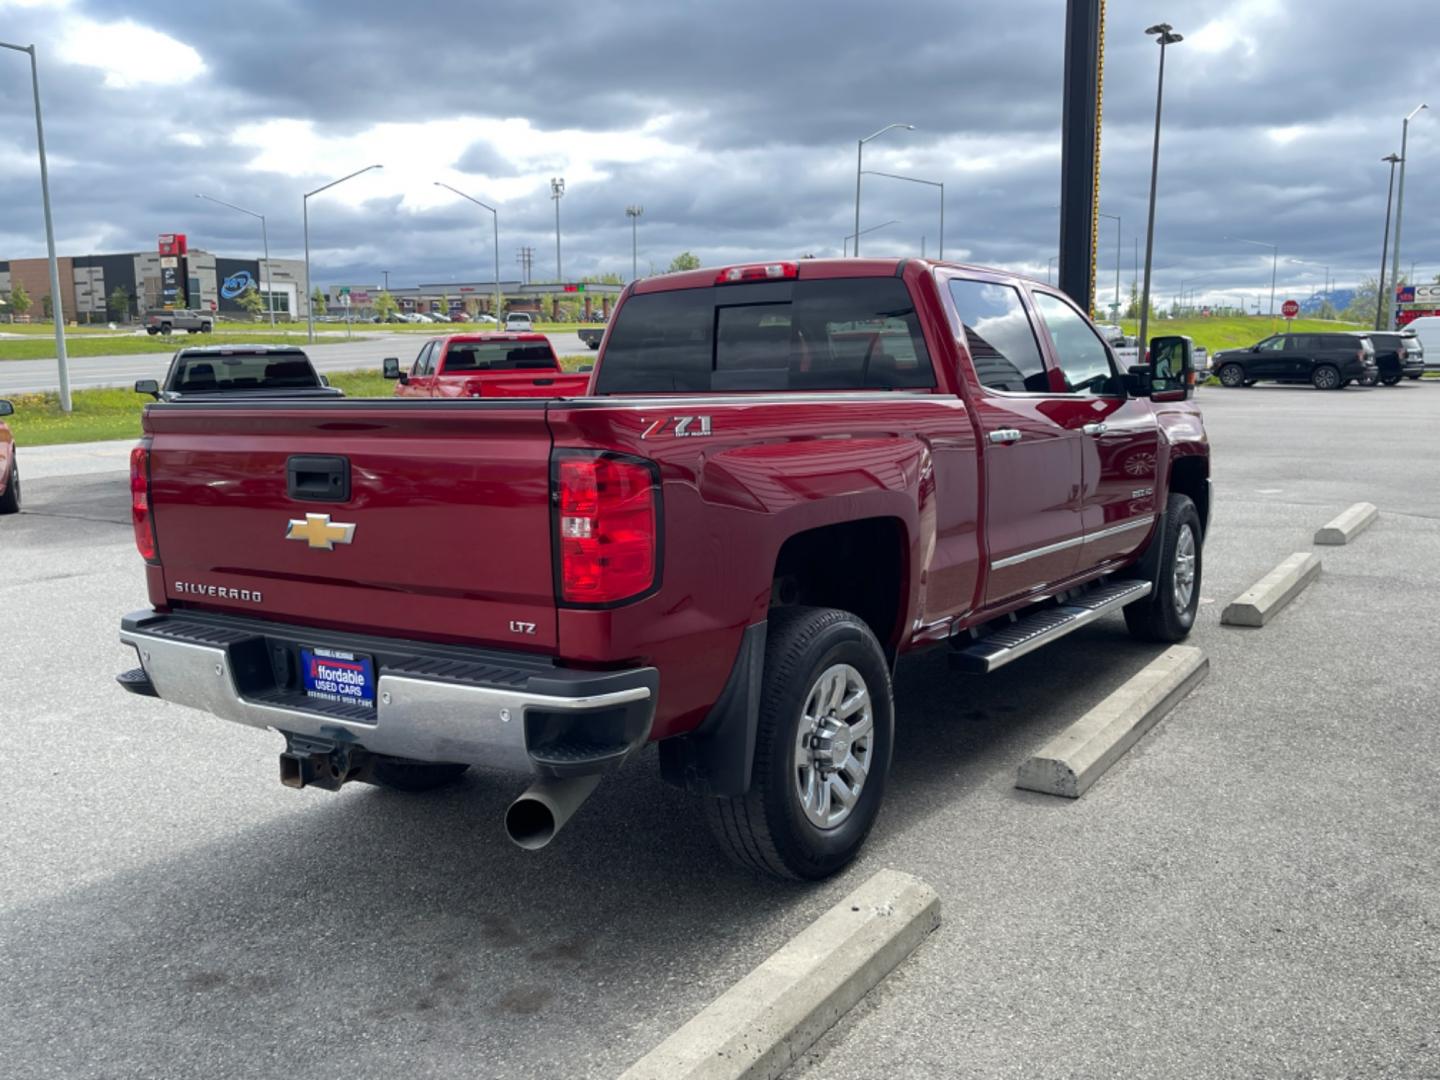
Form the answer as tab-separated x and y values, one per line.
1325	377
1168	613
1232	375
822	749
10	500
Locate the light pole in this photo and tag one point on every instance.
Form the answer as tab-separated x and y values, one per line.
557	189
495	214
305	216
633	213
1116	218
1165	35
859	160
265	242
1274	262
872	228
1400	204
1393	159
56	309
931	183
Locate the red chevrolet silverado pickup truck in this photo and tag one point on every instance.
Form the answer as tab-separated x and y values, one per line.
486	365
783	477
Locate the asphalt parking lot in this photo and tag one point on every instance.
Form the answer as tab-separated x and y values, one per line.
1252	890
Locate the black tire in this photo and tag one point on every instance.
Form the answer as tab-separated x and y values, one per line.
206	328
768	828
1390	380
1326	377
1162	616
10	500
151	331
165	328
402	774
1232	375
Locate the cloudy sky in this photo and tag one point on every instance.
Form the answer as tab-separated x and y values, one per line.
733	124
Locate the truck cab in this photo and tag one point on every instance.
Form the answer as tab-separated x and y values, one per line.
485	365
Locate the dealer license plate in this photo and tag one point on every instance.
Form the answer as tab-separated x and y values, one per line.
342	677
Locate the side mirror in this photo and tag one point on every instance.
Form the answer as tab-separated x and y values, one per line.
148	386
6	408
392	367
1172	368
324	381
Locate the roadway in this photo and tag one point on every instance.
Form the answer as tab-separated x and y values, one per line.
30	376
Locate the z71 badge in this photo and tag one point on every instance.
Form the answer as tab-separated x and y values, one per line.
679	426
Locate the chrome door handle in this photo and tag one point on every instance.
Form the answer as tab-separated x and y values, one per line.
1095	429
1005	435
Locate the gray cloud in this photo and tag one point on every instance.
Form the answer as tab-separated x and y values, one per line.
769	98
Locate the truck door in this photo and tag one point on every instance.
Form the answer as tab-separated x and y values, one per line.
1268	361
422	373
1030	458
1120	436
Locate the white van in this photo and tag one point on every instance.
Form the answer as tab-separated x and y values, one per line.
1427	329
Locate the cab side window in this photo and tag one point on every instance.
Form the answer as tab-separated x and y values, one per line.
999	336
424	362
1271	344
1079	352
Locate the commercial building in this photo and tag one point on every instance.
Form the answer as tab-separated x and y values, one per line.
88	283
592	299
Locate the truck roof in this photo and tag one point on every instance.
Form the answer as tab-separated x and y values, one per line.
811	269
241	350
493	337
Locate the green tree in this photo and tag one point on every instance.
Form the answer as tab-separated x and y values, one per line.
385	305
684	261
317	301
118	303
179	302
20	300
47	306
1362	305
252	301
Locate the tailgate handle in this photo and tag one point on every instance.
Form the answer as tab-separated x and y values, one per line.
318	479
544	382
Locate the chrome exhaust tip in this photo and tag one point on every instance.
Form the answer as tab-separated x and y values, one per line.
544	807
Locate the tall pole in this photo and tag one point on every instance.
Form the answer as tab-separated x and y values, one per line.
927	183
57	311
1166	36
859	164
305	217
633	213
557	189
1380	292
1399	202
1116	218
1080	149
265	245
495	214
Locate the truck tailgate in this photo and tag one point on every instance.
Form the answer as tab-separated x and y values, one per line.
524	384
445	533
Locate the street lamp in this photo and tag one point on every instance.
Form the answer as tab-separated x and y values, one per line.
305	215
1116	218
859	159
1165	35
557	189
1274	262
1393	159
265	241
872	228
1400	203
931	183
56	310
633	213
496	215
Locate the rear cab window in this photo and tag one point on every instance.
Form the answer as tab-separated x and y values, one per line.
465	356
818	334
218	372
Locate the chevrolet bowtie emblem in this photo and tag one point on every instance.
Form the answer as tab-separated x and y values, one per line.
319	532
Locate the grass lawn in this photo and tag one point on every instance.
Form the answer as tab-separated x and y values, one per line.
1232	333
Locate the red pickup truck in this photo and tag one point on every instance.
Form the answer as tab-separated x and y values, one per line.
784	477
486	365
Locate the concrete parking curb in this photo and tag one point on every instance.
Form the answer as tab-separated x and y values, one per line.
1080	754
1350	524
764	1022
1258	604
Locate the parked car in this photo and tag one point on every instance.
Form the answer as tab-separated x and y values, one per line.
483	318
9	466
485	365
1328	361
165	322
1113	334
591	337
519	322
787	477
1398	355
265	371
1427	330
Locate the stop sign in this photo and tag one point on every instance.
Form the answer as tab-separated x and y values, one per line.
1290	309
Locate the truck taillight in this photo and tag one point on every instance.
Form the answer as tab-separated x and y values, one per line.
140	502
607	525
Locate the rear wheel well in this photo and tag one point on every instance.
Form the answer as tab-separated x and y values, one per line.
856	566
1189	476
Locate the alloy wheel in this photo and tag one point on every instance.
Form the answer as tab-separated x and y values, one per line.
833	746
